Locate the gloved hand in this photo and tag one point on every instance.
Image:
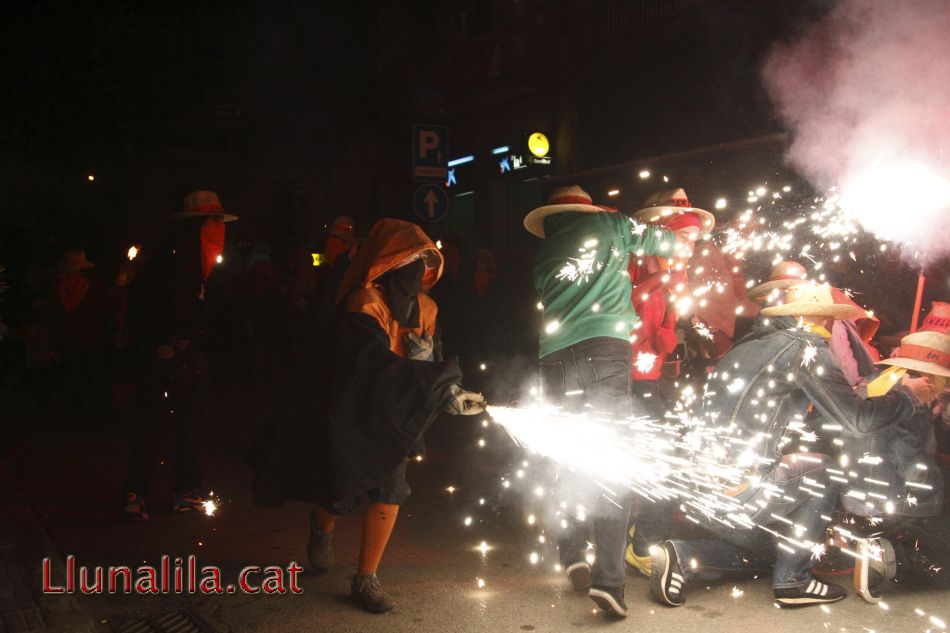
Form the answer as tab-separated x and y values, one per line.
464	402
418	347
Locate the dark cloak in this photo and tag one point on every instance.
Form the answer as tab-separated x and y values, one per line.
350	422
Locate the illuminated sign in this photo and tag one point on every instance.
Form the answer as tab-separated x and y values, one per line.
455	162
538	144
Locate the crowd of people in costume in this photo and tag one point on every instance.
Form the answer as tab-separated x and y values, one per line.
805	358
354	347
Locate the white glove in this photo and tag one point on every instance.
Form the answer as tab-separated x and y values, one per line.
419	347
464	402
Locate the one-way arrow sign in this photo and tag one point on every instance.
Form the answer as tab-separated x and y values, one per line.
430	202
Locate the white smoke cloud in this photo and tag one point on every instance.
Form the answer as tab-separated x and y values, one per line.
866	91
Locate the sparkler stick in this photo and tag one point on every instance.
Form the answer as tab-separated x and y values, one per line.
917	301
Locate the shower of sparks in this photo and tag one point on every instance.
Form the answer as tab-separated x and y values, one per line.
578	269
210	507
808	356
637	228
645	362
703	330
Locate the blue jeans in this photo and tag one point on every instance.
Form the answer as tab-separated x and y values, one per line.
754	550
595	371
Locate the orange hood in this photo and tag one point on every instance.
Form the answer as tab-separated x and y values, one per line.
867	325
390	245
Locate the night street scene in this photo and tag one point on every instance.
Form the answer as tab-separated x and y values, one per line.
475	315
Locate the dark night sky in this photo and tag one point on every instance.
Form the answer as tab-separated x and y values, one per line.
86	83
78	74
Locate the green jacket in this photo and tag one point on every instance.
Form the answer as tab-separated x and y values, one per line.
581	274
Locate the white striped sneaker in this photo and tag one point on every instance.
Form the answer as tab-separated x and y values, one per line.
815	592
667	581
875	565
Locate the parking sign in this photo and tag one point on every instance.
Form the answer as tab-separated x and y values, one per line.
430	153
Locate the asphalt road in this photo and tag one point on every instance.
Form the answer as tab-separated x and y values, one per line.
433	564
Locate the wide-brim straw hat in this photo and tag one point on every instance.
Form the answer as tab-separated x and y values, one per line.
73	261
203	204
926	352
785	274
562	200
811	299
665	204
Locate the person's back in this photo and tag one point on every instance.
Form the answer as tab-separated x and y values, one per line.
581	273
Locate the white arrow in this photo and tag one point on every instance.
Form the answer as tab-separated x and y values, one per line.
431	200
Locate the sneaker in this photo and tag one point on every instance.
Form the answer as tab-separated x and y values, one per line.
640	563
319	549
579	575
667	580
366	591
610	600
875	565
815	592
134	507
186	502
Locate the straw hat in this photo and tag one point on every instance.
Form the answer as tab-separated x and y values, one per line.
561	200
784	274
939	318
666	203
343	228
811	299
200	204
926	352
73	261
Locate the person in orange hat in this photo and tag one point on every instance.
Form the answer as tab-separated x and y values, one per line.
654	279
339	249
79	321
755	398
168	319
581	275
902	457
340	238
850	338
354	422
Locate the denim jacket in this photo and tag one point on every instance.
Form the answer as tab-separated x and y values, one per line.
897	463
765	383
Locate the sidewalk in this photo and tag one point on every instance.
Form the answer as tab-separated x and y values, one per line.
24	542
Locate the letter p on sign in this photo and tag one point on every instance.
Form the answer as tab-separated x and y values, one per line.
428	141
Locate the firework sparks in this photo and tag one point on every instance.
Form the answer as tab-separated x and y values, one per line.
703	330
808	356
645	362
